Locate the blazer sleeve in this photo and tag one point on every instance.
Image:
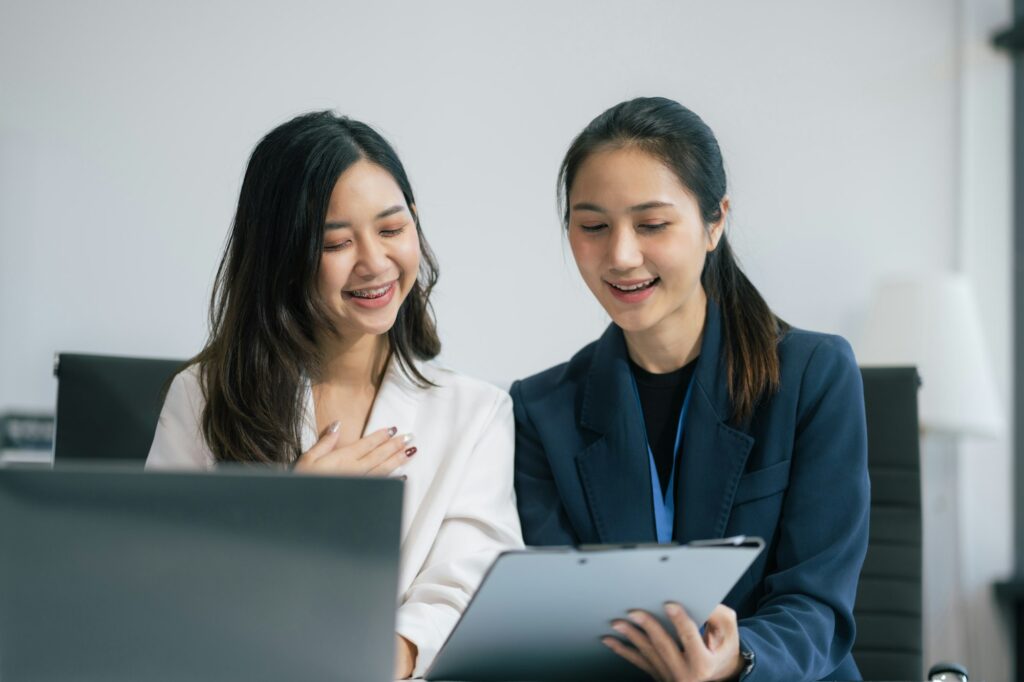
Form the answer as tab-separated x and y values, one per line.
480	522
178	442
803	627
545	521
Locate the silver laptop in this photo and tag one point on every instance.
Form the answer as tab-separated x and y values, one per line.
240	574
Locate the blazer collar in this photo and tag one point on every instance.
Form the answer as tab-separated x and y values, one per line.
395	405
610	375
615	468
714	452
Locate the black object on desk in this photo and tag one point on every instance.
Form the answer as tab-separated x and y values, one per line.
108	406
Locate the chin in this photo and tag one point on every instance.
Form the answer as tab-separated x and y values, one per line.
362	327
377	329
632	322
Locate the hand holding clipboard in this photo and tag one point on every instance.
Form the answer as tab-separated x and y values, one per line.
540	614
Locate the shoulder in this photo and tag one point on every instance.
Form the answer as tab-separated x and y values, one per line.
456	414
185	393
454	388
178	441
186	383
811	353
820	369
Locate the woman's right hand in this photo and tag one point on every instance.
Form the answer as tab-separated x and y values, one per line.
377	454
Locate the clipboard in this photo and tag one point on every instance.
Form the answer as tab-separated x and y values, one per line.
540	613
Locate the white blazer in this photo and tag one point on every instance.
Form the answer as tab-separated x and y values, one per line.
459	510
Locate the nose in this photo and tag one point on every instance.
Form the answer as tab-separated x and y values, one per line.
372	259
624	251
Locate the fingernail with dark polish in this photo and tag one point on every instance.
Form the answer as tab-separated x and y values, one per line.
410	452
392	431
333	428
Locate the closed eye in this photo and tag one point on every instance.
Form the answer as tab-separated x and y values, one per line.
393	231
653	227
596	227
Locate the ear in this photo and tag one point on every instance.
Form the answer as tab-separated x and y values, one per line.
717	228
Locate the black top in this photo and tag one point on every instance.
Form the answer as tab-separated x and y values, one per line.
661	399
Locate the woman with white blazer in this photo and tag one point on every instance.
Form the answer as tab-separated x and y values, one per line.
319	359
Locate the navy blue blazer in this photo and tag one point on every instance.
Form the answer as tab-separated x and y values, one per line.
795	475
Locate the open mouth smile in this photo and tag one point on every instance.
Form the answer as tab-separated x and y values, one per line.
375	297
633	291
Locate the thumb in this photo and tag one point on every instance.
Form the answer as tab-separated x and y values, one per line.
718	626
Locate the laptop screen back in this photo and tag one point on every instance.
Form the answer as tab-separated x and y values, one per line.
238	574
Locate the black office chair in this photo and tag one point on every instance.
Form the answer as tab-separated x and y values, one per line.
107	406
888	609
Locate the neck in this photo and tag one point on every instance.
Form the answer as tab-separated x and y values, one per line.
672	343
354	362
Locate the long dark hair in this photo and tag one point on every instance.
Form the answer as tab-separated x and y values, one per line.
684	143
265	309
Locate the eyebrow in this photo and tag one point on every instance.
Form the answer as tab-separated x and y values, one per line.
397	208
646	206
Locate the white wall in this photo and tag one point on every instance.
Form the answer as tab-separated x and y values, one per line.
125	127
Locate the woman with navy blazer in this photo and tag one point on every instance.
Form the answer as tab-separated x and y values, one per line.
697	414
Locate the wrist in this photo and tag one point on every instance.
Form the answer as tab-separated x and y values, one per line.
407	652
747	663
739	668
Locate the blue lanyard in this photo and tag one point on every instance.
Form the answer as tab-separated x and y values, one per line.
665	505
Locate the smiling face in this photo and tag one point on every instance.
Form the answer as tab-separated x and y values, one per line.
371	251
639	240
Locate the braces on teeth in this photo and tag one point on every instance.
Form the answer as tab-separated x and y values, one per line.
371	293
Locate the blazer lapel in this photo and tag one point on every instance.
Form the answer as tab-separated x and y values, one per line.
714	453
614	469
396	404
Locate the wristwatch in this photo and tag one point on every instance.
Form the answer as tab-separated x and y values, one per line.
748	659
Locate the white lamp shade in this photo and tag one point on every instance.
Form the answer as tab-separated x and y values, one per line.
932	322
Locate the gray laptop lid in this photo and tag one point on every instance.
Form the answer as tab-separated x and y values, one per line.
232	575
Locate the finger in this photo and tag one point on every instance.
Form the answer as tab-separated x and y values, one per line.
667	648
391	463
367	444
686	629
629	653
348	459
390	448
713	636
638	638
325	444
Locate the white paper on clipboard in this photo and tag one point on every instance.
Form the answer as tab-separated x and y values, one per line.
539	614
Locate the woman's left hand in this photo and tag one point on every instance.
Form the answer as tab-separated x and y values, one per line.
405	657
715	655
